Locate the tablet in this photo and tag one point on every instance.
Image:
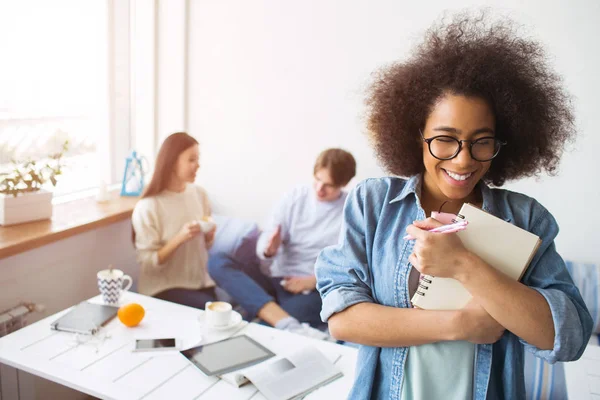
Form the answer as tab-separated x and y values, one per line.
227	355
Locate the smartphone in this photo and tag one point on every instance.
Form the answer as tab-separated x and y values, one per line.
156	344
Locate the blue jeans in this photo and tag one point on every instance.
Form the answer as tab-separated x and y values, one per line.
250	288
188	297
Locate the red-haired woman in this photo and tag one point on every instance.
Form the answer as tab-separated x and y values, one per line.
171	247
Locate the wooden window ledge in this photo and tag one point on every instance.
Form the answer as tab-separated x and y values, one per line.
68	219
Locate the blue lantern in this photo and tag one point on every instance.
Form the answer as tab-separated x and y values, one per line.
133	178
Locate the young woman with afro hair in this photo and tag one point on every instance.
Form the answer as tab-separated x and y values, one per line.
474	105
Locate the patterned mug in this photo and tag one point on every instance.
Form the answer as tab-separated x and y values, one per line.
110	284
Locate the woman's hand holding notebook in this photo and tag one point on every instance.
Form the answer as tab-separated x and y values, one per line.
501	244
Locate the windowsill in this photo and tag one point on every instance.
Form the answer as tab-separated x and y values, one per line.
68	219
82	194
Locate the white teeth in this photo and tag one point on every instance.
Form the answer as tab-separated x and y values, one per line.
457	176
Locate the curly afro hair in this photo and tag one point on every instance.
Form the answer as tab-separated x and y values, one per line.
470	56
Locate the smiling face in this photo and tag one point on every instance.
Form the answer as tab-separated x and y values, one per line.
465	118
187	165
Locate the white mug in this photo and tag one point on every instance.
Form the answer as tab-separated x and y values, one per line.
110	284
206	226
217	313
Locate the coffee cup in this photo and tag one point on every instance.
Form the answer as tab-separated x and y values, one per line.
110	284
218	313
206	225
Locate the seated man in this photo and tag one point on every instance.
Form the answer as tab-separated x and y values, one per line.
304	222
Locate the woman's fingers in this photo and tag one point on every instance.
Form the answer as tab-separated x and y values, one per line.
427	224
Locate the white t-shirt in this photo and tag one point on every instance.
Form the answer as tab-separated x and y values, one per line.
156	220
308	225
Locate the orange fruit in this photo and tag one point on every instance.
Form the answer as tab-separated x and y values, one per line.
131	314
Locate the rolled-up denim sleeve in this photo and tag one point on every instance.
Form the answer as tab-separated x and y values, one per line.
548	275
343	275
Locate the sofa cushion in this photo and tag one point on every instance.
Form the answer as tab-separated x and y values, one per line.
236	238
544	381
587	279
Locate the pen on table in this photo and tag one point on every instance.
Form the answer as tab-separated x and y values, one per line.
450	228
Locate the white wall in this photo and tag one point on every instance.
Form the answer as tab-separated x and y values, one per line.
273	83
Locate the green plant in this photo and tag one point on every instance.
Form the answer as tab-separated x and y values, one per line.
29	176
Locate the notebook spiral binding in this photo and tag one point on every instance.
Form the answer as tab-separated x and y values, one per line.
426	280
424	283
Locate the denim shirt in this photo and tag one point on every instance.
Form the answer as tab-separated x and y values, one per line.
370	264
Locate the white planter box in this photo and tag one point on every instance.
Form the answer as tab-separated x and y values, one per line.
25	207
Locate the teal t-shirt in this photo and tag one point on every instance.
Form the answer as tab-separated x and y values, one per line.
442	370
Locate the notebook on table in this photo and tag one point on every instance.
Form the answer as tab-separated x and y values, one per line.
292	376
501	244
86	318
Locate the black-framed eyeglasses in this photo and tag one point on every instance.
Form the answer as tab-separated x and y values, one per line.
445	147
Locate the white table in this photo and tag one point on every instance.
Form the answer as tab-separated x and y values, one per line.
110	370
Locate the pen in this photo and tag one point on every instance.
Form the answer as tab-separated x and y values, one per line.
450	228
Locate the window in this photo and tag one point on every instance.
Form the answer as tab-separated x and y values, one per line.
55	79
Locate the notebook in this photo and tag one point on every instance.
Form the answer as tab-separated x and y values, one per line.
86	318
292	376
501	244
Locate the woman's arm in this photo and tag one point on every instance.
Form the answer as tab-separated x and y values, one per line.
147	227
186	233
376	325
165	252
344	280
151	251
545	311
518	308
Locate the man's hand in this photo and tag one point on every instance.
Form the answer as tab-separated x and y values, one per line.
273	243
299	284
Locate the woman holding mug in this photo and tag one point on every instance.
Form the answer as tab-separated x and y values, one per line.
171	246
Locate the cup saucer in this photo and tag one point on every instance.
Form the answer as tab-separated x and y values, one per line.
234	321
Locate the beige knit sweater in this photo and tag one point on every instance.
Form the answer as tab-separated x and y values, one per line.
156	220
